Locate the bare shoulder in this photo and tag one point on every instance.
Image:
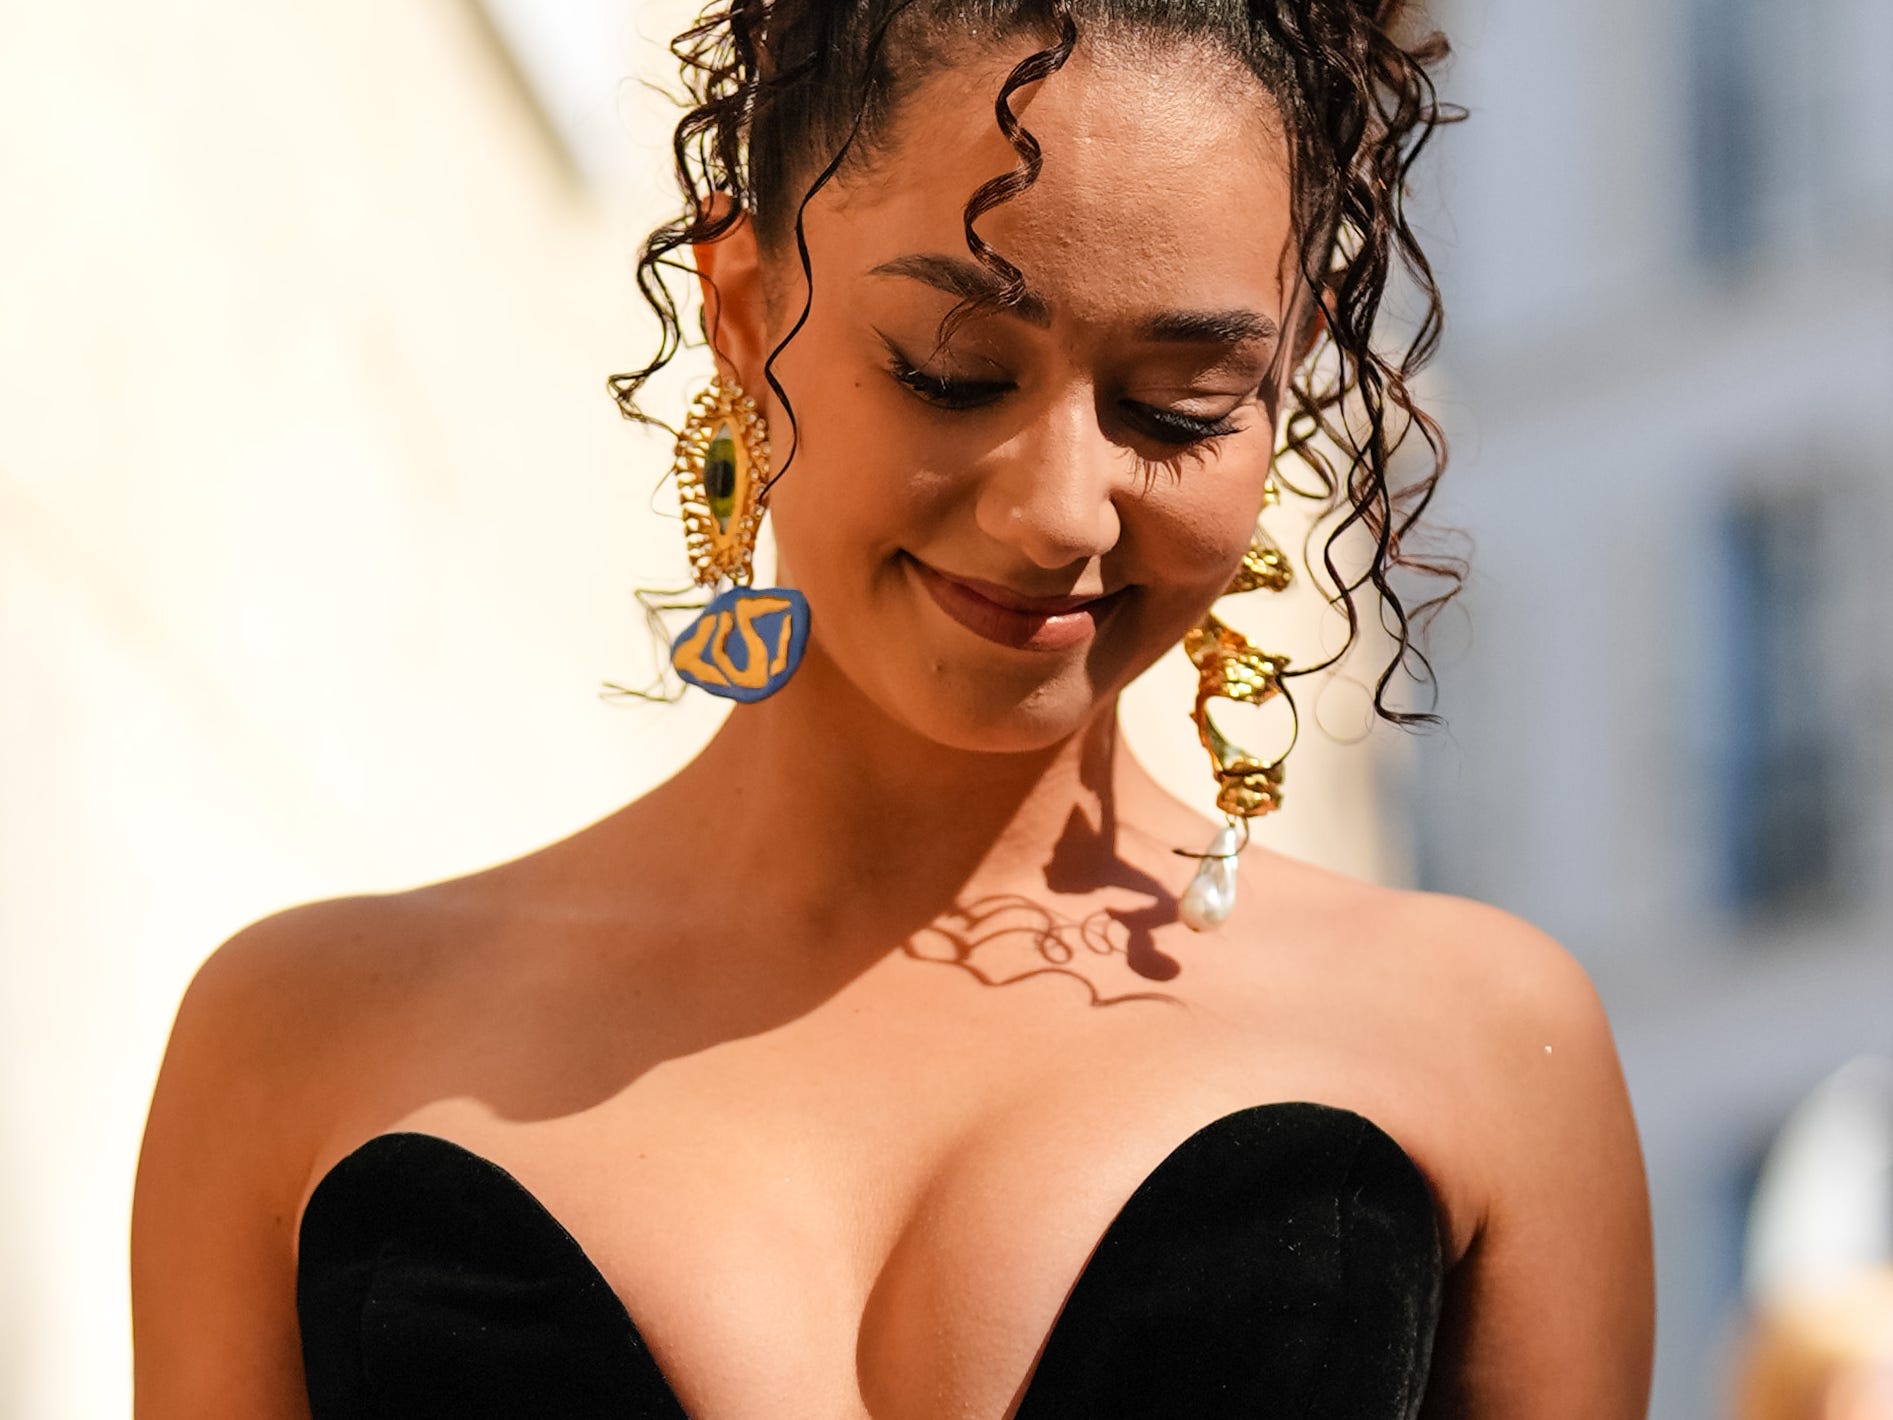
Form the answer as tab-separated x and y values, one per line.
1532	1027
1478	984
255	1050
1515	1016
268	1002
1519	980
1566	1205
254	1060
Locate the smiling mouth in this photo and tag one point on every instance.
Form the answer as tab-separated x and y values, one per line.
1010	618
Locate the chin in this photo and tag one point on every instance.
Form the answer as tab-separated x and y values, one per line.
974	710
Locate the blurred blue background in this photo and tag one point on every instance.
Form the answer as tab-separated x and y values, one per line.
1668	262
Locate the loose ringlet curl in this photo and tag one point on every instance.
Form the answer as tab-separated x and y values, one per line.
781	94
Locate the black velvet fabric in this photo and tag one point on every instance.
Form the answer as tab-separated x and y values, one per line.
1283	1261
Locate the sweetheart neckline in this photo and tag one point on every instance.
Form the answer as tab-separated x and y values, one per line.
597	1276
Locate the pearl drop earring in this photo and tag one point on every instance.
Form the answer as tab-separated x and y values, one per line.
1228	667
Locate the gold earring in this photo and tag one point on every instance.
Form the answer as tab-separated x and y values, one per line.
1264	567
747	642
1230	668
721	464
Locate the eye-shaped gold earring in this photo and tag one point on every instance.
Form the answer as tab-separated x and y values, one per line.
747	642
1229	668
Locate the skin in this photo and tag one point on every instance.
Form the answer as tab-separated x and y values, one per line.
837	1136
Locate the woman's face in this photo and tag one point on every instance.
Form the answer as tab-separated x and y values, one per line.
994	537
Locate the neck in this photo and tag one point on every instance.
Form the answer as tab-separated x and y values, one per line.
866	826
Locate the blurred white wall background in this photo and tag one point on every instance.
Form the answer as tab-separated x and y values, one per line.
1667	252
318	532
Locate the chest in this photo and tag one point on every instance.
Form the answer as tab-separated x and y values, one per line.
888	1251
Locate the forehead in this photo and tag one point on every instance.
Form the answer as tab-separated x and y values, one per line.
1164	179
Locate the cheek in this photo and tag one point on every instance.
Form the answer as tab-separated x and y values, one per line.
826	492
865	480
853	496
1192	536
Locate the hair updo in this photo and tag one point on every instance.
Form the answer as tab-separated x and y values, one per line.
780	94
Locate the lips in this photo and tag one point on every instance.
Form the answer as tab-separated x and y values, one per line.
1011	618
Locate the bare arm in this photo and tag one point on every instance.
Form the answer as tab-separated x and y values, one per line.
219	1176
1551	1314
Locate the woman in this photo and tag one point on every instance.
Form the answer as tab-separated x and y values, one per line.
689	1114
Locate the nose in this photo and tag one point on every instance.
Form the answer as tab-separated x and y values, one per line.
1051	492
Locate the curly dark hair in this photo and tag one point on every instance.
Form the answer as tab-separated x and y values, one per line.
780	89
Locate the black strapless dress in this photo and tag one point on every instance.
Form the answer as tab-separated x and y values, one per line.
1283	1261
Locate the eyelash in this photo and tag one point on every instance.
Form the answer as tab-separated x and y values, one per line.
1179	431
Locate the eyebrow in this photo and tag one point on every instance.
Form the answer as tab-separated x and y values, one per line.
968	279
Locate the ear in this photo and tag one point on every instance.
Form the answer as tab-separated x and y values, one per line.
734	316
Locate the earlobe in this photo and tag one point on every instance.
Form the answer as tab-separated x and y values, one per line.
730	276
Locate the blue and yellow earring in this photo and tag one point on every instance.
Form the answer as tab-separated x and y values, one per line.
748	641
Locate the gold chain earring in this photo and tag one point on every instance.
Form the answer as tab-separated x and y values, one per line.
1228	667
747	642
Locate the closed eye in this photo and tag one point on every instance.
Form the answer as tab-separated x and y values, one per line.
1164	426
945	390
